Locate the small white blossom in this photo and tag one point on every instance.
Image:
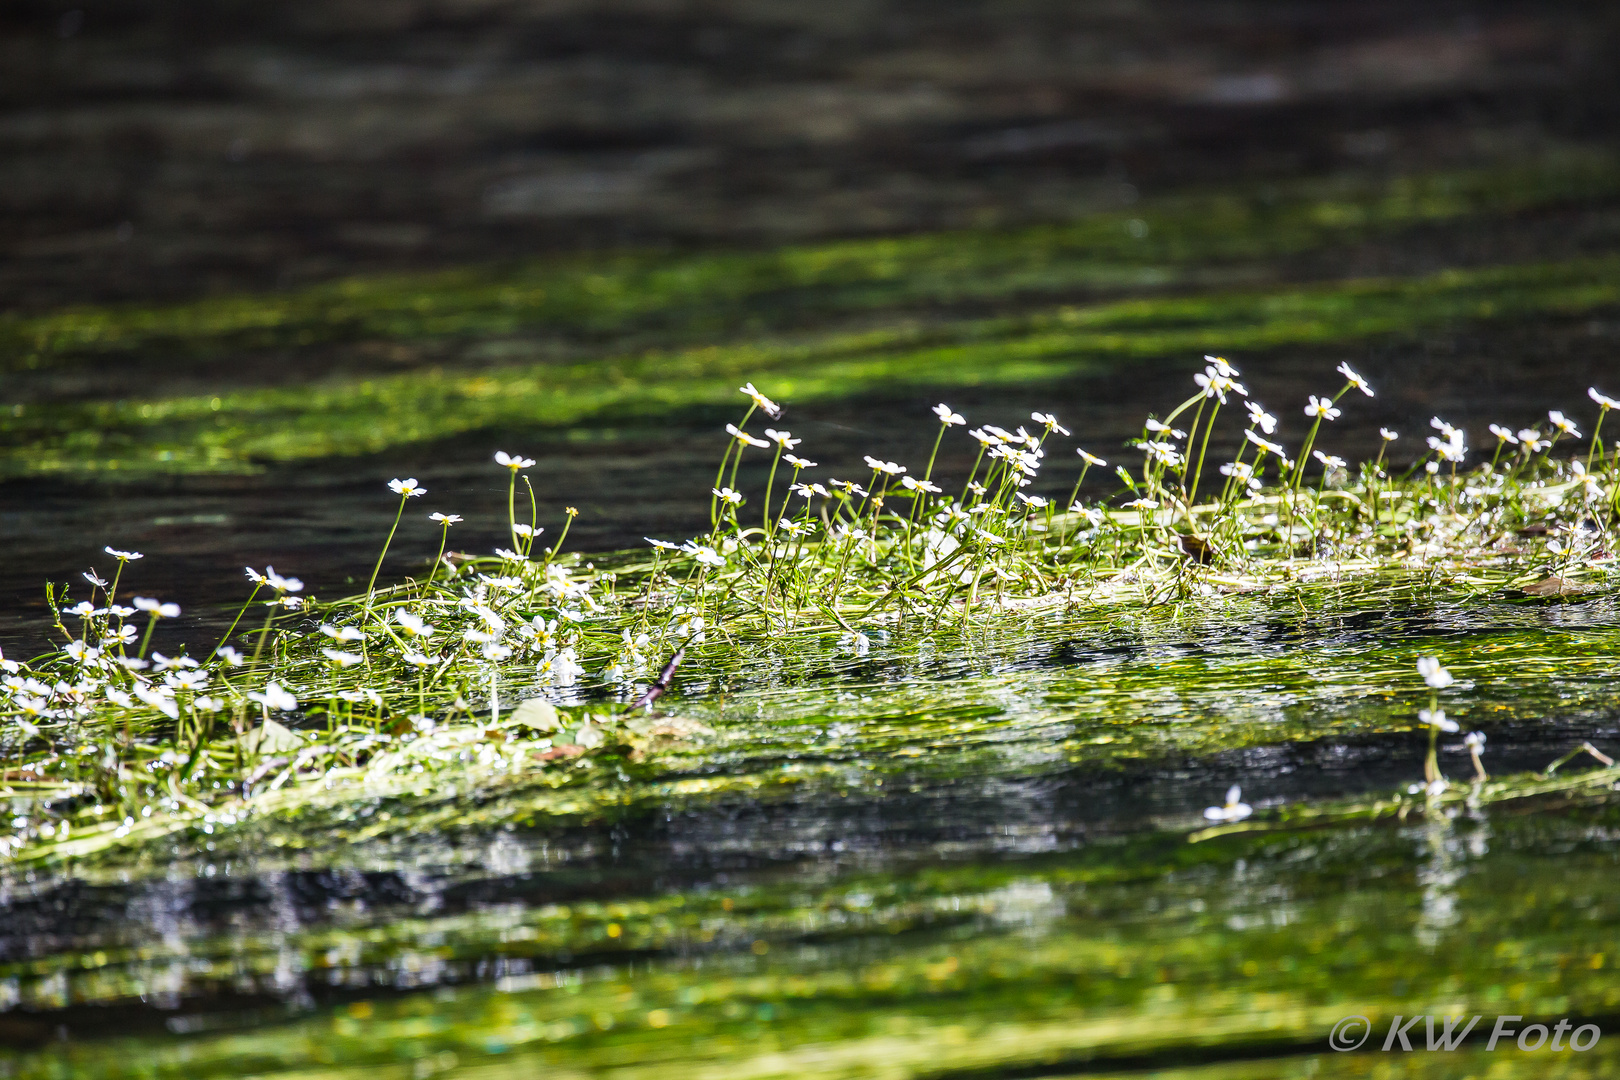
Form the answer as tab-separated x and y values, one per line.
1436	676
728	496
743	437
888	468
1049	421
765	404
784	439
154	607
1322	407
1563	423
408	488
1259	417
513	461
445	519
123	556
1604	402
1437	719
1354	379
1387	435
798	462
1234	810
946	416
275	696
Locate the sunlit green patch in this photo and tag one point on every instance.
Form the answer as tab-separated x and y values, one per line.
240	430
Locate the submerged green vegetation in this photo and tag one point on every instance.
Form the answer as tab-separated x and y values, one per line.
644	337
525	686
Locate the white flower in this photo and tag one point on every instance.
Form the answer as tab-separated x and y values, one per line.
1453	448
765	404
509	555
1475	741
1143	504
123	556
985	437
496	651
525	530
1355	380
743	437
946	416
1220	365
153	607
727	496
231	657
888	468
1604	402
408	488
513	461
664	545
784	439
1257	415
857	643
1216	385
704	554
282	584
1437	719
1387	435
80	652
1234	810
90	576
1328	459
920	485
420	659
561	668
186	680
155	697
83	609
445	519
798	462
1049	421
1164	452
206	704
850	487
1322	407
1091	459
1504	434
274	696
1436	676
164	663
808	490
1531	440
1563	423
1156	426
341	658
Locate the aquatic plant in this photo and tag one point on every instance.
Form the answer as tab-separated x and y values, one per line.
537	666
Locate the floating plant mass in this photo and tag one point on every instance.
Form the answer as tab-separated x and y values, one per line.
538	666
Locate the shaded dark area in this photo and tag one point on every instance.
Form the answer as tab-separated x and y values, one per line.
171	149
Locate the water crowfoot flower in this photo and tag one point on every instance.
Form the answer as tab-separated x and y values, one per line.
888	468
1387	435
1354	379
1260	418
761	402
1563	423
798	462
743	437
156	609
445	519
1436	718
123	556
512	461
948	417
1435	676
1322	407
784	439
1604	402
407	488
1234	810
728	496
1049	421
274	696
342	659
